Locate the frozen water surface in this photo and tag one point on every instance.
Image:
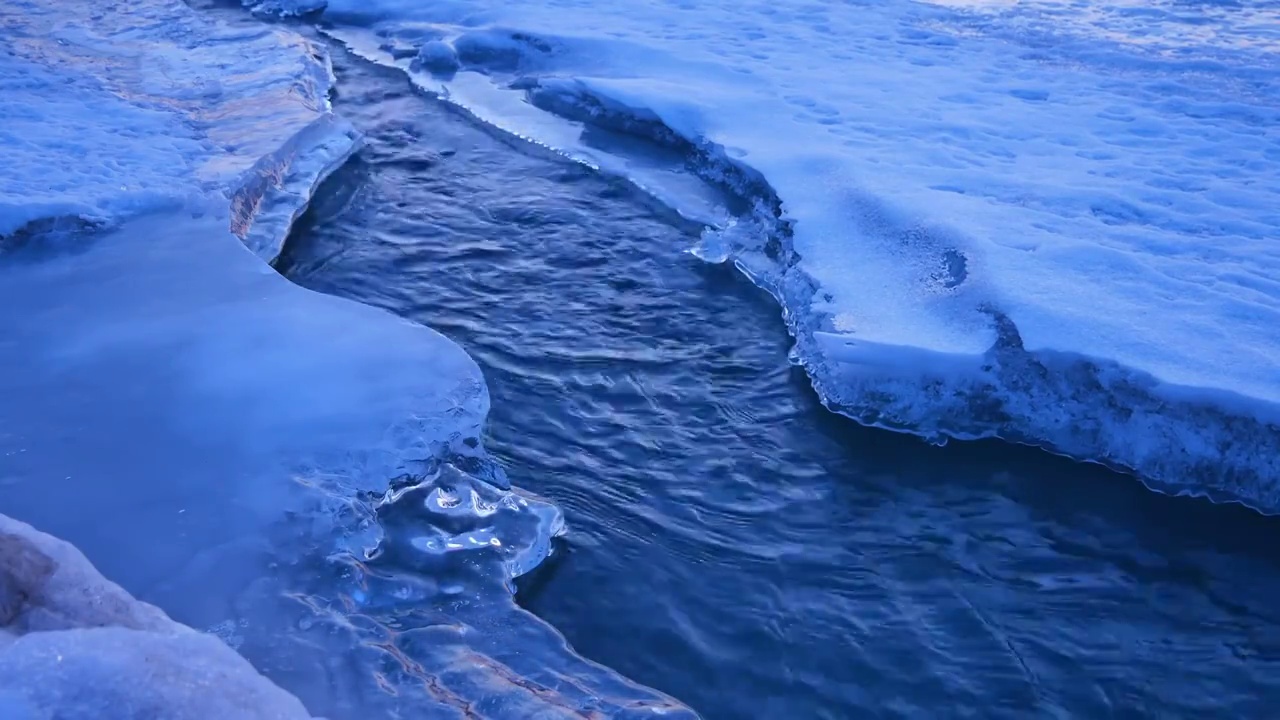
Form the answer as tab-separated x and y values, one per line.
299	474
1048	222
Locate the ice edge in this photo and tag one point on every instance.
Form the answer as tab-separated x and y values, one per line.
1177	440
279	188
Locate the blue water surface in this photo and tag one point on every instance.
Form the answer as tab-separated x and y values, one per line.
731	542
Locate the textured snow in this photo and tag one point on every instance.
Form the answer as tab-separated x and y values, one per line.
116	110
1054	223
298	474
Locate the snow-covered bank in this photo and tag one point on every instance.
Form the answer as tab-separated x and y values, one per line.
300	474
111	112
1005	220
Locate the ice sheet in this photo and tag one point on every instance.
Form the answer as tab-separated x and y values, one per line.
1088	187
298	473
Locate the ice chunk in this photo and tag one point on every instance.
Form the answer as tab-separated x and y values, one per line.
74	645
1051	225
438	57
272	195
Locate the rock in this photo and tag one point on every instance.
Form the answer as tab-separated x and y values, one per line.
74	645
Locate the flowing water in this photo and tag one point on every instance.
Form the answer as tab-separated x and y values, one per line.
731	542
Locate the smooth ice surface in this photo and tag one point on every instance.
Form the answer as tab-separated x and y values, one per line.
299	474
1090	188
